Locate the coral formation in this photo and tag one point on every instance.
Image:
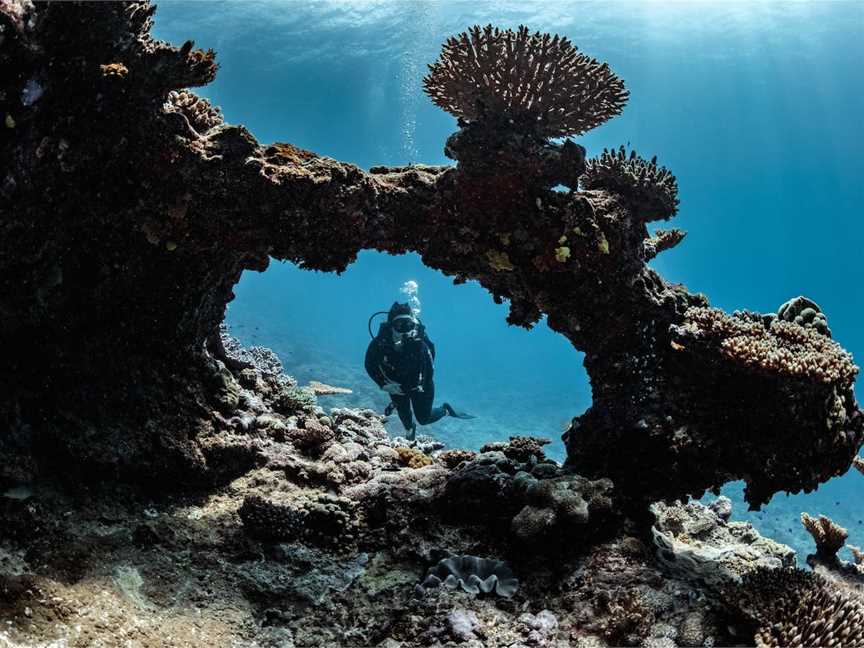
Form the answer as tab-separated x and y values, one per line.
828	536
165	182
535	82
412	457
698	543
127	220
661	241
453	458
796	609
561	505
805	312
321	389
770	345
317	518
652	190
471	574
520	448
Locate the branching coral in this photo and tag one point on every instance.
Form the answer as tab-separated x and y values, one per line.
652	190
829	536
536	82
771	345
797	609
201	114
661	241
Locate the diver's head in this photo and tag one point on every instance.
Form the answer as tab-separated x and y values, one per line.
403	323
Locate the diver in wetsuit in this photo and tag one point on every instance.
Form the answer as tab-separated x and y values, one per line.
400	359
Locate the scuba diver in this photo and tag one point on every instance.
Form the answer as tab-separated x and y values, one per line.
400	359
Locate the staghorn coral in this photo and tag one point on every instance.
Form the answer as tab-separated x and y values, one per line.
453	458
471	574
797	609
828	536
535	82
412	457
652	190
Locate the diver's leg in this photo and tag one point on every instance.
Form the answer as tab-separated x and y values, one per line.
403	408
422	402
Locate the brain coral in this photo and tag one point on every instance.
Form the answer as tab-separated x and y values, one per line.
535	81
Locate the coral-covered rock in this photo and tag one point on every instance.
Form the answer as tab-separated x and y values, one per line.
694	542
317	518
453	458
412	458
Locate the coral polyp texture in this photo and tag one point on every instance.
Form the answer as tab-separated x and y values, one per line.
797	609
536	82
652	190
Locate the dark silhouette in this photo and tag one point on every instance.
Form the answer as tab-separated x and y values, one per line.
401	360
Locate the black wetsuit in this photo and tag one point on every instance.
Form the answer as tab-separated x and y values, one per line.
411	366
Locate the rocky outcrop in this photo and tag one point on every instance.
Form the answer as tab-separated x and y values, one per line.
129	210
699	543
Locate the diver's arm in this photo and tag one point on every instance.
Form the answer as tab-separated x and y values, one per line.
374	358
429	344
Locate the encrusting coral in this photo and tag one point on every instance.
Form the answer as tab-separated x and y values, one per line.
534	82
798	609
412	457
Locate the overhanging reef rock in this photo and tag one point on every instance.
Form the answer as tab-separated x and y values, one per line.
129	210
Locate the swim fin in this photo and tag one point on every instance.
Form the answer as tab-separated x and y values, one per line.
456	413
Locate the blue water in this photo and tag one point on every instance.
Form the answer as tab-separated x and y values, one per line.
756	107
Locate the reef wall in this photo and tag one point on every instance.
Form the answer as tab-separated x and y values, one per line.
129	210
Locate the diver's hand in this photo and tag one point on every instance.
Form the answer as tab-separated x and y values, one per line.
393	388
